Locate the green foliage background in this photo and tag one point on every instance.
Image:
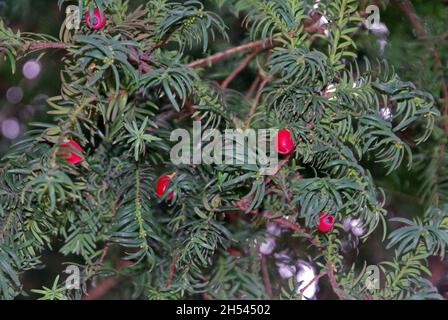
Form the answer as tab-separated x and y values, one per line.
110	199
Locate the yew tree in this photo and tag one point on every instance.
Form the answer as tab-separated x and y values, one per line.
96	182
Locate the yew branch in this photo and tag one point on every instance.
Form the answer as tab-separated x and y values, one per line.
220	55
45	45
239	68
265	274
172	270
312	281
256	100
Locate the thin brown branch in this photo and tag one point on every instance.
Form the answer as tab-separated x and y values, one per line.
160	43
256	100
105	285
312	281
172	270
239	68
244	202
103	254
277	169
44	45
408	9
265	275
142	65
284	223
334	284
220	55
252	88
102	289
161	119
294	227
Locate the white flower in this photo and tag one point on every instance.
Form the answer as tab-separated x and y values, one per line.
386	113
347	224
285	270
358	231
304	277
274	229
322	20
354	226
267	246
283	255
330	88
382	44
355	85
321	23
377	28
329	92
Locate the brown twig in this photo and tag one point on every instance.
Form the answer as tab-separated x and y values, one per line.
103	254
172	270
142	65
256	100
220	55
312	281
244	202
105	285
161	119
102	289
334	284
408	9
239	68
269	43
252	88
294	227
45	45
265	274
284	222
277	169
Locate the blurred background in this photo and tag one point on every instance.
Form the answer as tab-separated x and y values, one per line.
23	95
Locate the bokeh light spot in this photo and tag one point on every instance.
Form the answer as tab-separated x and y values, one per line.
10	128
31	69
14	95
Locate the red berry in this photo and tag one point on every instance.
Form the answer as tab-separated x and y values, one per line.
161	186
283	142
72	152
326	222
234	251
232	216
98	21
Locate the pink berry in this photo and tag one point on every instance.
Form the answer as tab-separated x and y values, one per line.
326	222
71	152
98	21
161	185
283	142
